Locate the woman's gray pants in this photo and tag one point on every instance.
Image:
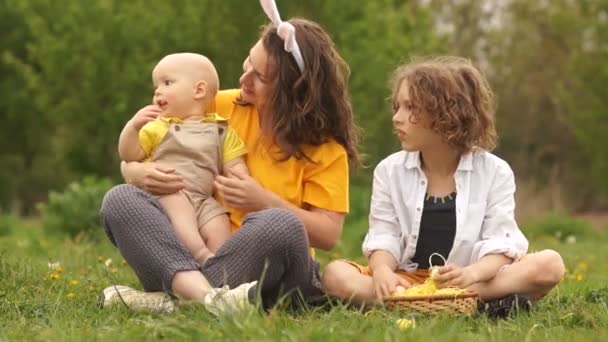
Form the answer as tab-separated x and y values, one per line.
271	246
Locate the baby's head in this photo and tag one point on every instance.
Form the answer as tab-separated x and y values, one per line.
184	84
449	96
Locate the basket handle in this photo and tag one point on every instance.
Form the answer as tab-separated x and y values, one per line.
439	255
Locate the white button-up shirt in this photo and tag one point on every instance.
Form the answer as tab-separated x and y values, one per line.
485	209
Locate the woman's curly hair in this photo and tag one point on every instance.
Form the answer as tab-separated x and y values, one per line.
313	106
454	97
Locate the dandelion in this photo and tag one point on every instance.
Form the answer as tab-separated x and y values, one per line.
54	264
405	323
579	277
54	276
71	295
59	269
74	282
571	239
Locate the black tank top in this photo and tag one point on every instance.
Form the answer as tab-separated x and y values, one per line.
437	230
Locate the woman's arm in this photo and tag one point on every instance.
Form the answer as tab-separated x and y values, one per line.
324	227
243	192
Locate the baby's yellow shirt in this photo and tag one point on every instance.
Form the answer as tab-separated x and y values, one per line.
153	133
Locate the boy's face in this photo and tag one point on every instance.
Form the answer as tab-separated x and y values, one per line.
174	90
414	134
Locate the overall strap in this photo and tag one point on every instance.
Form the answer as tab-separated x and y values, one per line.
222	128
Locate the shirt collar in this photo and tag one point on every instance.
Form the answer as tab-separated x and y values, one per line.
412	161
209	117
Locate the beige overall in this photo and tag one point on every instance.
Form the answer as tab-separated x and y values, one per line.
194	150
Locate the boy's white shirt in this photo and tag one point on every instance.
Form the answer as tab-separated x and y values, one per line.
485	209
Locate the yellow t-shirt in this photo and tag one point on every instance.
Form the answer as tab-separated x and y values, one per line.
322	183
152	134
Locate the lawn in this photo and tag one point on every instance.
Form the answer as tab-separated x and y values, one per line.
49	286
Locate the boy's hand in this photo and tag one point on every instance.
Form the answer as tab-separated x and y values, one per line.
385	282
454	275
144	115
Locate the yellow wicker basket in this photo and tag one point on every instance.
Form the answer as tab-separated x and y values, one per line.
461	304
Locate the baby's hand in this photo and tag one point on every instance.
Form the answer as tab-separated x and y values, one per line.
145	115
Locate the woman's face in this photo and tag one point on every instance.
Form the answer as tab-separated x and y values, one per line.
414	134
256	78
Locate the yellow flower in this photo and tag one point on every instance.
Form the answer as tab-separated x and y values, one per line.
54	276
405	323
583	265
71	295
579	277
74	282
59	269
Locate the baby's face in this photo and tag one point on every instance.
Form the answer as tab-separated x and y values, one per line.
174	90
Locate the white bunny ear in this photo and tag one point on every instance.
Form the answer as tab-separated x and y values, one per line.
285	30
270	7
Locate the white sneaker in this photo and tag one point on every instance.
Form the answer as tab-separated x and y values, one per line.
225	300
136	300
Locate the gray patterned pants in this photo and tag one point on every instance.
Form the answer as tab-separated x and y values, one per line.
271	246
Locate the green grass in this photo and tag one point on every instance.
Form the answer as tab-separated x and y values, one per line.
33	306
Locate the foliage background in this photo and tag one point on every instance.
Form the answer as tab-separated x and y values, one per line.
73	72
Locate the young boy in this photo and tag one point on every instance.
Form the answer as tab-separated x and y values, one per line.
446	194
177	132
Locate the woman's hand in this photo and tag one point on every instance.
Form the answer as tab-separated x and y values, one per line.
385	282
454	275
243	192
153	178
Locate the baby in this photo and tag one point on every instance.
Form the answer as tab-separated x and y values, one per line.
176	131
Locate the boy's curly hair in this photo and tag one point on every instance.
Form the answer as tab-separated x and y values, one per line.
454	96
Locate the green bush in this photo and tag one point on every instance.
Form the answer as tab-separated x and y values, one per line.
563	227
75	210
7	223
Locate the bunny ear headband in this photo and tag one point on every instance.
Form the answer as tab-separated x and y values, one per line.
285	30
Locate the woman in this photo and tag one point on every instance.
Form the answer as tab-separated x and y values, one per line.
294	114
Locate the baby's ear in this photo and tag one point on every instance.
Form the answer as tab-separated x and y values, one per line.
200	90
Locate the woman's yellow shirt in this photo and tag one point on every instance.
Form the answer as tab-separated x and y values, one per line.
321	182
